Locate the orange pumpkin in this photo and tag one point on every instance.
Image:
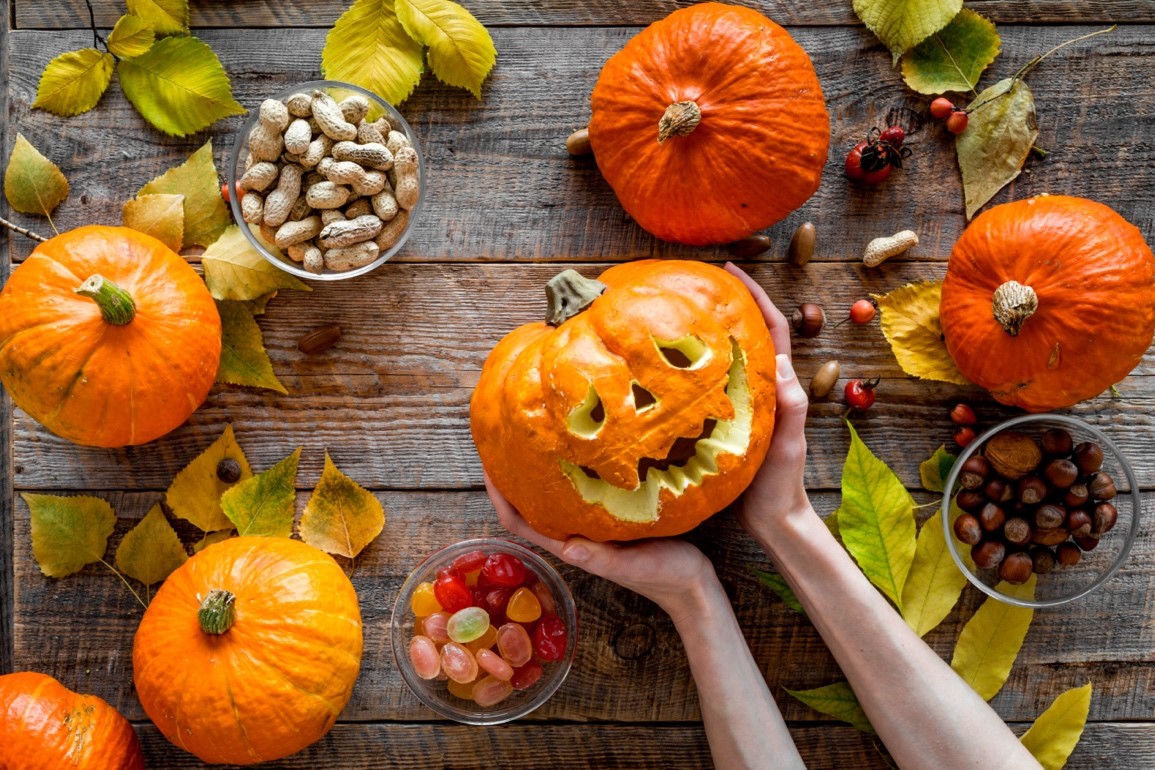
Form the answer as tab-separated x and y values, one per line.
710	124
107	337
46	726
249	650
1048	301
641	415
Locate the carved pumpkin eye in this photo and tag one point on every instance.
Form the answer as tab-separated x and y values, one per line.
643	399
589	416
686	353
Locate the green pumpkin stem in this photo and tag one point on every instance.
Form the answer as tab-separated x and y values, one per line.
217	612
1012	305
568	293
116	305
680	119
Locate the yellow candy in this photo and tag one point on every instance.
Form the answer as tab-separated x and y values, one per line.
485	641
461	690
424	601
523	606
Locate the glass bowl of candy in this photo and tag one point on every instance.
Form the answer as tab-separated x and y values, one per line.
484	631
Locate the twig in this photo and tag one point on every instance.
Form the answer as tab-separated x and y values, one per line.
127	585
22	230
96	38
1034	62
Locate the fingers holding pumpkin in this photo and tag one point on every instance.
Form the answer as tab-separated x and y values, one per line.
775	321
790	416
513	521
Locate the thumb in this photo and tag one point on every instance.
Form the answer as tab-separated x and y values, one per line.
589	555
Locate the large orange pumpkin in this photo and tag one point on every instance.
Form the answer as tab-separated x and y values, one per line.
710	124
1048	301
645	413
249	651
46	726
107	337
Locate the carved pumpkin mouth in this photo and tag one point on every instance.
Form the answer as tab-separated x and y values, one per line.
688	463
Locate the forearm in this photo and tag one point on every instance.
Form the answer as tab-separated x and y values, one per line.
742	721
925	714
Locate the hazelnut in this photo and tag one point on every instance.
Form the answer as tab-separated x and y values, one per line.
1076	496
229	470
967	529
1042	559
1017	531
808	320
999	491
1078	523
988	554
970	500
1016	568
991	517
1013	454
1057	442
1068	554
1087	543
1060	473
1088	457
974	472
1053	536
1049	516
1032	490
1103	518
1102	486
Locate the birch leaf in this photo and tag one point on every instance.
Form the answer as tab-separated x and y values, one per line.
205	213
991	640
903	24
195	493
260	304
876	519
1054	735
161	216
73	82
32	183
244	360
341	517
132	36
235	270
953	59
935	582
266	503
910	323
934	470
151	550
211	538
778	585
1001	131
836	700
68	532
168	17
369	48
461	51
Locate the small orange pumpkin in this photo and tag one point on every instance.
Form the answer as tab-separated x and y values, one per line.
710	124
1048	301
45	725
249	650
107	337
640	416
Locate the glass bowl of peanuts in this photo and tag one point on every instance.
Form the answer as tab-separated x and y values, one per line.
326	180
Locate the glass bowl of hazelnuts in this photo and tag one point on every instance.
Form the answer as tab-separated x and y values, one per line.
1046	495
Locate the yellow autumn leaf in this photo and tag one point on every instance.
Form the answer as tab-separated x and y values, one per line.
935	582
836	700
32	183
235	270
341	517
903	24
1056	732
911	325
205	213
461	50
195	493
131	36
244	360
68	532
212	538
934	470
266	503
169	17
161	216
151	550
73	82
368	47
991	640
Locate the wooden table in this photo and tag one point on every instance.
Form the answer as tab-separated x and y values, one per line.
507	208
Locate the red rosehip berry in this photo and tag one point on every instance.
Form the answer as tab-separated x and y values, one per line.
964	435
941	108
860	394
961	414
956	122
893	135
862	311
859	169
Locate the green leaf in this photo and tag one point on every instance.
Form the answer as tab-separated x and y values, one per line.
341	517
244	360
778	585
32	183
934	470
903	24
151	550
953	59
161	216
876	519
178	86
212	538
836	700
68	532
935	582
1001	131
195	493
168	17
369	48
266	503
991	639
205	213
1053	736
235	270
461	51
73	82
911	325
260	304
132	36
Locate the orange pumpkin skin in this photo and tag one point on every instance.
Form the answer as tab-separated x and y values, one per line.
272	683
46	726
1094	278
538	376
760	146
93	382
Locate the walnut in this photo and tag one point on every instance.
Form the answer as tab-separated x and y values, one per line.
1013	454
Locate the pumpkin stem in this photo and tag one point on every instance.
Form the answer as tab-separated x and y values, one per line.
568	293
115	303
679	119
217	612
1013	304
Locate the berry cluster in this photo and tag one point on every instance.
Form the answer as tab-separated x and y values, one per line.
870	162
944	109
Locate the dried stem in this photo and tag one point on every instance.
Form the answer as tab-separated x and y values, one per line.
97	40
127	585
22	230
1035	61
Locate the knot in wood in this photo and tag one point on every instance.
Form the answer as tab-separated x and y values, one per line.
634	641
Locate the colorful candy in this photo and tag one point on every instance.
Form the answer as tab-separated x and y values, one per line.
468	624
425	657
523	606
424	600
458	662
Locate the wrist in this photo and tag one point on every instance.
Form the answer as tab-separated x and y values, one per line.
697	600
783	530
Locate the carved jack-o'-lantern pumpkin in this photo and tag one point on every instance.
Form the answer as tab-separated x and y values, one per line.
644	406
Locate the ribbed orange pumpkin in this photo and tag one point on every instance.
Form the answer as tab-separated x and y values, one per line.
710	124
645	413
250	650
46	726
107	337
1048	301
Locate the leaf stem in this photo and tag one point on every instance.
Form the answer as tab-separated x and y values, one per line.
22	230
96	38
1026	68
127	585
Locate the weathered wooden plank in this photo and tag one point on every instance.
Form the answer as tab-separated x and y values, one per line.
6	577
630	666
391	400
501	186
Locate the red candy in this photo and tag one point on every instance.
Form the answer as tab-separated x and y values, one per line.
549	638
467	562
451	591
526	676
503	570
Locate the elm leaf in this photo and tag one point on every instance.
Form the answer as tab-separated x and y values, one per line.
910	323
195	493
341	517
266	503
236	270
1054	735
1001	131
168	17
369	48
160	215
934	470
836	700
151	550
991	640
132	36
903	24
244	360
32	183
68	532
461	50
73	82
205	215
935	582
954	58
778	585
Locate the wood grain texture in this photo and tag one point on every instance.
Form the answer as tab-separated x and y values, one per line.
7	661
501	186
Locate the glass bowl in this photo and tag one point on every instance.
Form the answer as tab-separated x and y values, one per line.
240	154
434	693
1061	584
